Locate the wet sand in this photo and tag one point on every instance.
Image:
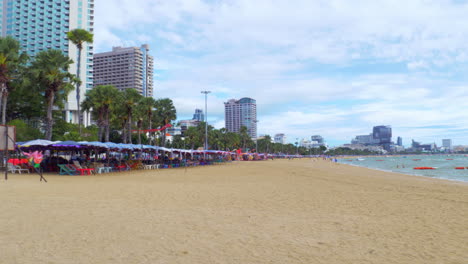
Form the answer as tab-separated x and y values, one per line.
281	211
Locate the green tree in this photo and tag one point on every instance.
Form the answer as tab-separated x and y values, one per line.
25	102
233	140
11	63
165	113
99	101
193	137
323	149
68	131
245	137
50	71
24	132
78	37
264	144
131	97
146	107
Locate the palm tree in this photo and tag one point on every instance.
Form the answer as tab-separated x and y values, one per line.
165	113
99	101
244	135
147	106
78	37
50	71
130	102
11	62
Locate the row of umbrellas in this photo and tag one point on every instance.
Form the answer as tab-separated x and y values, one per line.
82	145
41	144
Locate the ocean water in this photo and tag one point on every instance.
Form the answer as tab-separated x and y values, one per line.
444	164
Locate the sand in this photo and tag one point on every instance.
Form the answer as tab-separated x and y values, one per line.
281	211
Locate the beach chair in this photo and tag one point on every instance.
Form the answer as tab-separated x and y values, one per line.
100	168
15	168
65	170
82	169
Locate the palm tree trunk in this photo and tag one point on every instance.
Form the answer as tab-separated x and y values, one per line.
164	135
107	125
3	89
124	131
129	129
78	88
139	131
100	131
101	125
49	119
149	126
1	99
4	105
124	134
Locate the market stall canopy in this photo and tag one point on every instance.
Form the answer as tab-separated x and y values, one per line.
36	142
67	145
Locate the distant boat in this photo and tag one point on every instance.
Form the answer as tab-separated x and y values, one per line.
360	159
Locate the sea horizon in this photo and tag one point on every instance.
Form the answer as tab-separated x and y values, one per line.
444	165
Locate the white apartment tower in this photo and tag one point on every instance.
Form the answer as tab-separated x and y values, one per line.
280	138
447	144
130	67
43	24
240	113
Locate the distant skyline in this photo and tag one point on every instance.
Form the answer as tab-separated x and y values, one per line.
333	68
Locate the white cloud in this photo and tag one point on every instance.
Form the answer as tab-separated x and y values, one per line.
313	66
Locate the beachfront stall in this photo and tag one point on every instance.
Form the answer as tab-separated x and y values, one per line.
86	158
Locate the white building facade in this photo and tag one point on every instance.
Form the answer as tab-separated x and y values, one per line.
242	112
280	138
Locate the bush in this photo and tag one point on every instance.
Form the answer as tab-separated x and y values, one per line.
24	132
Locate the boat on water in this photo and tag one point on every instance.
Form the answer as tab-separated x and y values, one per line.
360	159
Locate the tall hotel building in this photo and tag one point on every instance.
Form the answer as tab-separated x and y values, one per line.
240	113
124	68
43	24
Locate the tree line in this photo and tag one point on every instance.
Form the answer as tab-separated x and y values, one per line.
33	92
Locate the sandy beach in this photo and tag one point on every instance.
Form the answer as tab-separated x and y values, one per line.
281	211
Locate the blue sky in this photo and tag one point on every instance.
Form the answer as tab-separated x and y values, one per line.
330	67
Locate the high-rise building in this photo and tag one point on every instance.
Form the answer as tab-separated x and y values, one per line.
199	116
43	24
280	138
382	134
186	124
319	139
447	144
240	113
130	67
399	141
364	140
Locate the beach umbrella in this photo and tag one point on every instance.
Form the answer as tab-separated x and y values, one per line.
36	142
66	145
112	145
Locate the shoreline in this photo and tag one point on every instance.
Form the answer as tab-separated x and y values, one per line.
405	174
